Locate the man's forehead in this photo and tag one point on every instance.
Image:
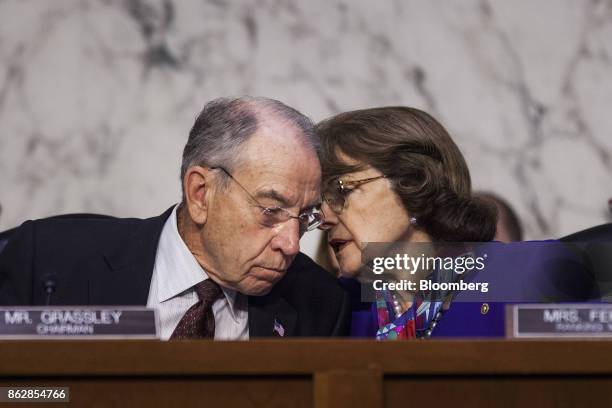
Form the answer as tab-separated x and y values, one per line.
290	198
301	165
279	163
282	180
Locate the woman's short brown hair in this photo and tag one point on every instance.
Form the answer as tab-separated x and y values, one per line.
427	170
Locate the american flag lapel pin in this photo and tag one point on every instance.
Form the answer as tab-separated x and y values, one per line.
278	329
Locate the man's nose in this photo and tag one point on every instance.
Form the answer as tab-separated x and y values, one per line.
330	218
287	238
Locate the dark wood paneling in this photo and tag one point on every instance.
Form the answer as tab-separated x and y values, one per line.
320	373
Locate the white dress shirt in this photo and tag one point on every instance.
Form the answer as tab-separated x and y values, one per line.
172	292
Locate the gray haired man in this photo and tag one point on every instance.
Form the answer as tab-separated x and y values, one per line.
225	262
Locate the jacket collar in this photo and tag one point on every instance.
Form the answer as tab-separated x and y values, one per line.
130	266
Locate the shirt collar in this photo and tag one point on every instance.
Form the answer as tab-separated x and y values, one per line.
178	270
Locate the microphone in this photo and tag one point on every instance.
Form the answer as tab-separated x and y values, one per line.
49	283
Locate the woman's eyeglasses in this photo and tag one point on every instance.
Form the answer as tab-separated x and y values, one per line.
338	190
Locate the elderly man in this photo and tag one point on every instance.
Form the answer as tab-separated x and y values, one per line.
222	264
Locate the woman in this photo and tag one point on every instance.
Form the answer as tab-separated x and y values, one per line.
394	174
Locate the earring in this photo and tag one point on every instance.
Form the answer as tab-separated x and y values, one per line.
413	221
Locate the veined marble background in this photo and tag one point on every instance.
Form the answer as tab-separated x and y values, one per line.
97	96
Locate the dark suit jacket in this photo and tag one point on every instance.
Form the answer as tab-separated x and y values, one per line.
110	262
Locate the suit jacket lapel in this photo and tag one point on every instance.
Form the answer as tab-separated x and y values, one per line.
266	311
127	278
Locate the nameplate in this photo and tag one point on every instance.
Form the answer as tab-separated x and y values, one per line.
559	320
90	322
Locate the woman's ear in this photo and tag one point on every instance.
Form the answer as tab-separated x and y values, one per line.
197	188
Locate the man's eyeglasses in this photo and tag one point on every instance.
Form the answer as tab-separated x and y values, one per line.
271	216
338	190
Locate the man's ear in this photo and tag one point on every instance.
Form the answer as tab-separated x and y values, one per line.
198	191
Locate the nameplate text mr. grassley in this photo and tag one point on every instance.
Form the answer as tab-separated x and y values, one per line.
65	317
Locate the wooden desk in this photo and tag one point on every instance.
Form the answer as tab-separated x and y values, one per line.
319	373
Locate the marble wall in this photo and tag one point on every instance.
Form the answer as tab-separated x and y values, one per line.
97	96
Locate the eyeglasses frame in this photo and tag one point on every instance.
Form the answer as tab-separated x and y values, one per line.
343	186
264	209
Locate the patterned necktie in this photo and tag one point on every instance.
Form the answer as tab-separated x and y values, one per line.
199	321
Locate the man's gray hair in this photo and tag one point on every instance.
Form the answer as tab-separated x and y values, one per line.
224	124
